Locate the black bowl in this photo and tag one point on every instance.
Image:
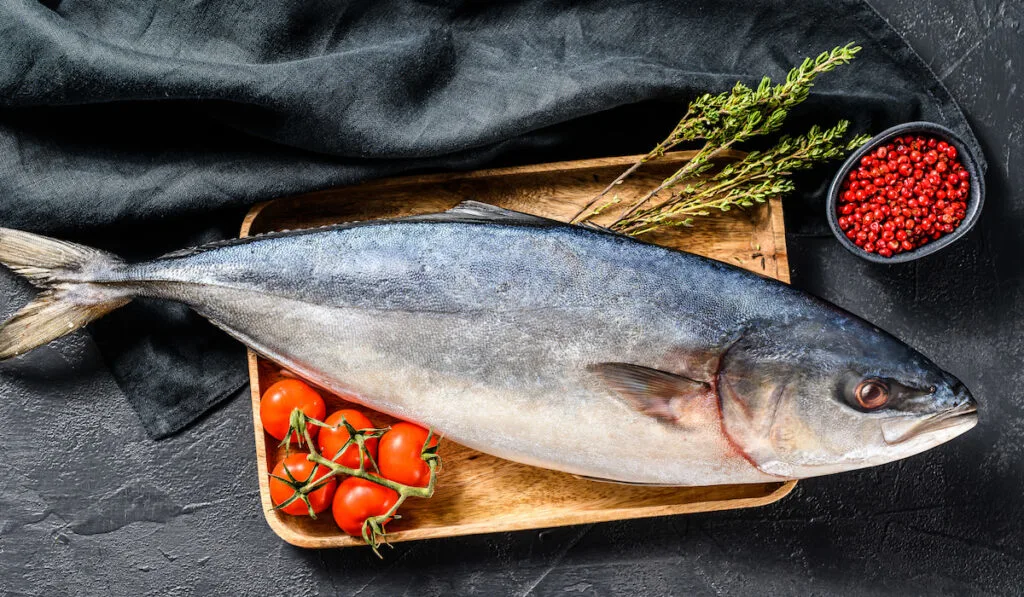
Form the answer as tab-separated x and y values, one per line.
975	198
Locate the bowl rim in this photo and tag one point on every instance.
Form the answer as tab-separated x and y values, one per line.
975	198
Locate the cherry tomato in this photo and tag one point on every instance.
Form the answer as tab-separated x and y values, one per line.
358	499
331	440
281	399
400	455
301	469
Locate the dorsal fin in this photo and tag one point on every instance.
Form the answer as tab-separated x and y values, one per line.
665	396
592	226
474	211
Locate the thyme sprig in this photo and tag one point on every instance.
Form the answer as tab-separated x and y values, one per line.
723	121
756	178
373	528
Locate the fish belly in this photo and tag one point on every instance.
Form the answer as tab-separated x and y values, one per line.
506	384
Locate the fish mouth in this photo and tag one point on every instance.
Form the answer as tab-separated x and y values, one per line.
965	415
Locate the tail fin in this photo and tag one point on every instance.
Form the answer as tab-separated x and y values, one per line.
71	297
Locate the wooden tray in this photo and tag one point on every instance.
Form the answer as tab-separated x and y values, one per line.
478	493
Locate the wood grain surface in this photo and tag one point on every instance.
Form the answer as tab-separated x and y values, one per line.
478	493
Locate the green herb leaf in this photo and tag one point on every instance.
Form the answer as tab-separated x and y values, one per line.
723	121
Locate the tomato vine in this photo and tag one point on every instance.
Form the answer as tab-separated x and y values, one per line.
373	532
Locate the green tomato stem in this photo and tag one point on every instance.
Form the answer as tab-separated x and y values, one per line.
373	528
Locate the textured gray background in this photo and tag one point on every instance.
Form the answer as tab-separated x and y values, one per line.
89	505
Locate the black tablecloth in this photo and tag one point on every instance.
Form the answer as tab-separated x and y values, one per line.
146	126
89	505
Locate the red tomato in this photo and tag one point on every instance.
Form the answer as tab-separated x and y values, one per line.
281	399
399	455
358	499
301	469
330	441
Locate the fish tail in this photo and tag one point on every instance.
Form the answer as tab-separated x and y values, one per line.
73	291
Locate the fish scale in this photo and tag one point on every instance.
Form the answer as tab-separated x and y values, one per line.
553	345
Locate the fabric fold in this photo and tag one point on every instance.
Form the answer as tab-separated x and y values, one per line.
147	126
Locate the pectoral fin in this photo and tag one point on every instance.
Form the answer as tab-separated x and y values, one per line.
665	396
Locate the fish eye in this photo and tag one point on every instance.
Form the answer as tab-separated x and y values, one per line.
872	393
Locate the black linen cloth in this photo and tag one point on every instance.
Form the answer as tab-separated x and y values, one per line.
144	126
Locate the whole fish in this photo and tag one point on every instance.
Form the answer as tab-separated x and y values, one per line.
559	346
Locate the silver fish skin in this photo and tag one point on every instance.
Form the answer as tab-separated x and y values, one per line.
552	345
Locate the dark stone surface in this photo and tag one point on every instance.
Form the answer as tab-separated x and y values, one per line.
89	505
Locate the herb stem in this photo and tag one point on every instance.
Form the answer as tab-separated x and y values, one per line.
723	121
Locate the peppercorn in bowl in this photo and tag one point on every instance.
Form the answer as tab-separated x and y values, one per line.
910	191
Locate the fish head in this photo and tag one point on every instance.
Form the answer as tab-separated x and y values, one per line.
810	398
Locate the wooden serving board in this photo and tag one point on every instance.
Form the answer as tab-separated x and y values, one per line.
478	493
